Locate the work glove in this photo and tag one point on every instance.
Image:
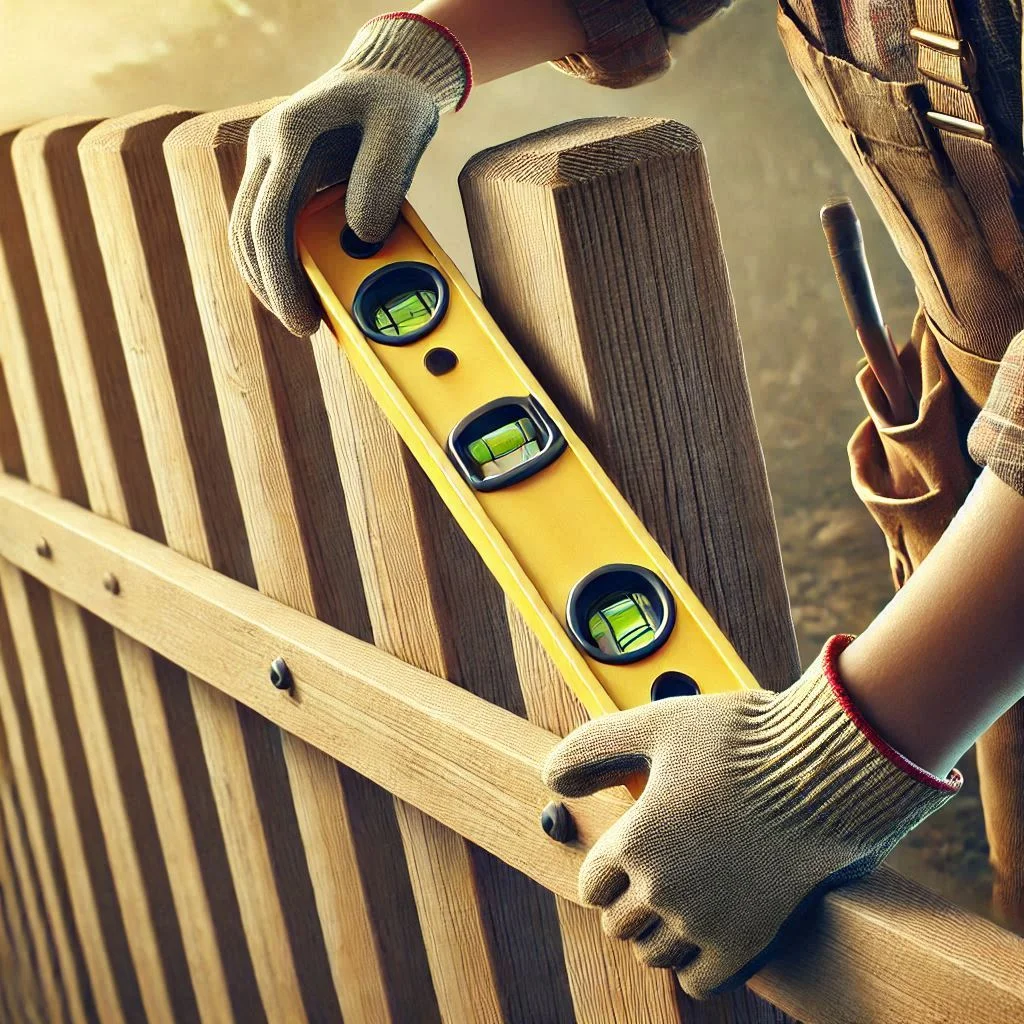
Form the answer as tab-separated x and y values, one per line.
757	803
368	119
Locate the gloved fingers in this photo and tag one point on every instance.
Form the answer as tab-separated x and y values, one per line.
383	171
287	184
243	249
602	878
600	753
662	946
628	918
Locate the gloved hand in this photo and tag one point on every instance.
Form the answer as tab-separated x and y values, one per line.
368	119
756	804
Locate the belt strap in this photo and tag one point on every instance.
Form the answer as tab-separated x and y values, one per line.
948	67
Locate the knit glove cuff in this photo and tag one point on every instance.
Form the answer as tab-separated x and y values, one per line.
415	46
812	739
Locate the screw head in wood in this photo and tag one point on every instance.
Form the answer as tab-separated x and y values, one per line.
280	674
557	822
43	549
111	584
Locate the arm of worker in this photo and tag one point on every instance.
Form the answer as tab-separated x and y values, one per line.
369	119
945	658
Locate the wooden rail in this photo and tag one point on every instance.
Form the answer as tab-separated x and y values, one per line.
187	493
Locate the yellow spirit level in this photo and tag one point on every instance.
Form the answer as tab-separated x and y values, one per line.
609	606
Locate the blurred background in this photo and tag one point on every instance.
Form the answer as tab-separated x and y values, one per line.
772	165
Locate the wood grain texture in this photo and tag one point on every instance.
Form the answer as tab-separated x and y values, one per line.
26	776
138	234
171	383
33	382
880	950
278	445
432	604
598	252
102	668
467	762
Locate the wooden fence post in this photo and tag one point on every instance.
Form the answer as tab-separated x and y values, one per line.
597	247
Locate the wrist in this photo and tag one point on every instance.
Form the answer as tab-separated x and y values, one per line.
884	723
414	45
808	755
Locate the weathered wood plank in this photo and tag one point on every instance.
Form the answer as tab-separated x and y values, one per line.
884	942
133	210
433	604
598	252
27	778
10	825
277	440
105	433
392	722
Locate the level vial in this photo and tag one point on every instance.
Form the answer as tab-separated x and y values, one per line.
504	441
401	303
620	613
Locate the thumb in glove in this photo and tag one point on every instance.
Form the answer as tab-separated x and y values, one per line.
368	119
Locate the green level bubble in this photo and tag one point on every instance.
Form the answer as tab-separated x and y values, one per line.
405	313
622	623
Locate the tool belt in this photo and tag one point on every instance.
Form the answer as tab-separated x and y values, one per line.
928	158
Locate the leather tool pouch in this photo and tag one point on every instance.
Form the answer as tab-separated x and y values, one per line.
912	478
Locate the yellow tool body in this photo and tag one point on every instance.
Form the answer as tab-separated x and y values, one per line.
540	535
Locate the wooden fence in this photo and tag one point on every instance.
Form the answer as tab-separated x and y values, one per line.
188	494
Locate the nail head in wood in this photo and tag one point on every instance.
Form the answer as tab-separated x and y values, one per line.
43	549
111	584
557	822
280	674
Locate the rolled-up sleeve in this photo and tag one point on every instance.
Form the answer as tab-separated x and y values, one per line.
996	439
627	40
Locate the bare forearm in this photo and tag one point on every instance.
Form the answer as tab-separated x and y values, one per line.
510	35
945	658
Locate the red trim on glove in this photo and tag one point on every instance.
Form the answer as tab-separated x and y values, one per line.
444	31
835	646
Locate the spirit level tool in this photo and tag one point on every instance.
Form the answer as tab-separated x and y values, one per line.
609	606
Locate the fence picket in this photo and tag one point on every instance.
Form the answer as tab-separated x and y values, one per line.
276	448
33	739
132	208
105	432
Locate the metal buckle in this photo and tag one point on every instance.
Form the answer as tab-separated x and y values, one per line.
949	47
